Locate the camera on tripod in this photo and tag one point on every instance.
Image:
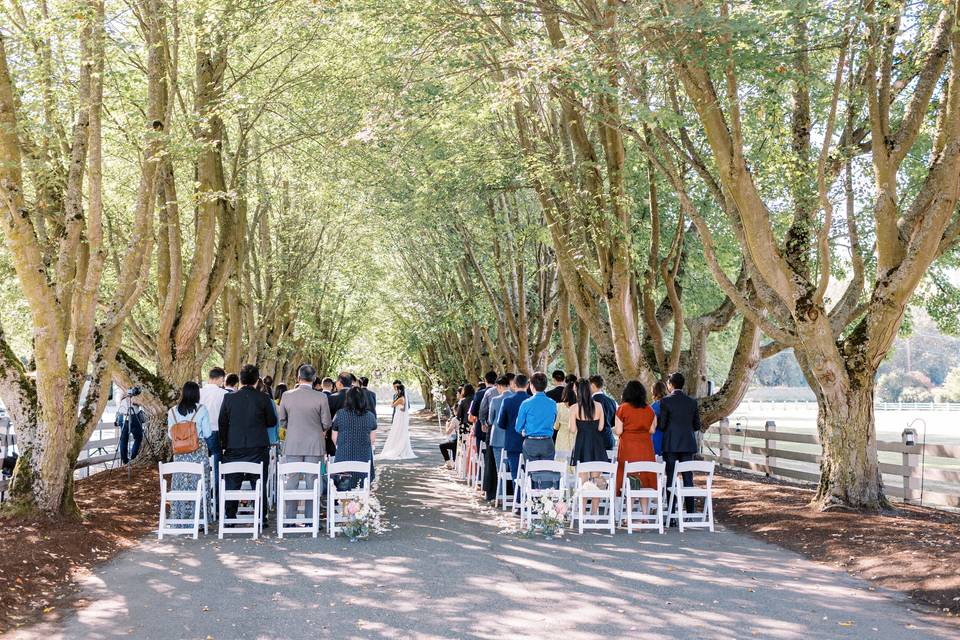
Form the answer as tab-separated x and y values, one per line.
133	391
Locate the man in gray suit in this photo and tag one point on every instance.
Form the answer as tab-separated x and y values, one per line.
305	414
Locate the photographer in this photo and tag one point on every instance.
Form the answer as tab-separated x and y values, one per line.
130	420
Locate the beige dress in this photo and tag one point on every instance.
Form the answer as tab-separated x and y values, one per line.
565	436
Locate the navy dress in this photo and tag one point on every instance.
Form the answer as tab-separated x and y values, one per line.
590	445
353	444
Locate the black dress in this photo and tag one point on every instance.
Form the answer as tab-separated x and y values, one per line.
590	445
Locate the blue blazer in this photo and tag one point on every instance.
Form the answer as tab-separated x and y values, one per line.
513	442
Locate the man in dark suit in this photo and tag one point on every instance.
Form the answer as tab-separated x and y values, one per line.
679	421
609	410
370	395
244	419
556	393
337	400
509	410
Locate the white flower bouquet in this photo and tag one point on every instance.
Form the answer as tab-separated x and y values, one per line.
364	516
551	513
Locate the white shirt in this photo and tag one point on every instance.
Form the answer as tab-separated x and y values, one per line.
211	396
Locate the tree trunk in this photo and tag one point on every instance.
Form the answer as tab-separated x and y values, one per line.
849	470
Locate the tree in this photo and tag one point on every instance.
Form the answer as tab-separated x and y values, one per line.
55	238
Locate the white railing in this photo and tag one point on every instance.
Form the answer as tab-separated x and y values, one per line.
787	405
914	473
99	451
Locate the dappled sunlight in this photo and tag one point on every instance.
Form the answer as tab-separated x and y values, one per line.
449	571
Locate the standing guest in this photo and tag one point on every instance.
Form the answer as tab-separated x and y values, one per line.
327	385
268	385
448	448
588	419
305	416
230	384
535	421
509	411
337	400
211	397
245	418
462	410
490	458
680	422
659	392
634	425
278	392
355	434
489	378
131	419
189	409
609	410
556	392
565	436
370	395
497	434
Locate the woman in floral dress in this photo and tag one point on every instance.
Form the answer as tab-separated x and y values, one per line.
189	409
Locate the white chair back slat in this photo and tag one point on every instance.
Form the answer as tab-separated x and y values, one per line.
349	467
192	468
287	468
226	468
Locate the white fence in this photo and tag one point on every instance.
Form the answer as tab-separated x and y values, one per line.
915	473
100	450
788	405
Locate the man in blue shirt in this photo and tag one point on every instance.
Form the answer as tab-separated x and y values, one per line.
609	410
509	411
535	421
487	419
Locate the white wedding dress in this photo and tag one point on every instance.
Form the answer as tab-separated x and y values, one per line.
397	446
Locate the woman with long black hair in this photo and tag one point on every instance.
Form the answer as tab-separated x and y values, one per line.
189	409
354	434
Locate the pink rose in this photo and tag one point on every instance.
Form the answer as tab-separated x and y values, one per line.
353	508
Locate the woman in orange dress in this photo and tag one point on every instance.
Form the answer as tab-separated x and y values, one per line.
634	425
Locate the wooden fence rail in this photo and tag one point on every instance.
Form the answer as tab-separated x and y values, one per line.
906	479
95	452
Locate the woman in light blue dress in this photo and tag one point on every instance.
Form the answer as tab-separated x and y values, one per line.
189	409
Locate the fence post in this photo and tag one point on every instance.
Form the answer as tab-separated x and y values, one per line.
724	441
770	427
911	461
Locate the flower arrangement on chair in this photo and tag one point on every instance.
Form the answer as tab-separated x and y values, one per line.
551	511
363	517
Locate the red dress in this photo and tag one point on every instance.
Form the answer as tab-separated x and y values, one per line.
636	445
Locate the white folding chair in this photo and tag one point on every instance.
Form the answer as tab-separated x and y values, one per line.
335	497
629	497
605	518
460	467
518	483
196	495
678	492
478	462
310	498
503	477
558	493
273	462
253	495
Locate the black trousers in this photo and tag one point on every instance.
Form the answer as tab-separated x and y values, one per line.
235	480
131	427
489	473
448	448
671	459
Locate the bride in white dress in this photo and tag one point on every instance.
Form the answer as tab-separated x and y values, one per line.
397	446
